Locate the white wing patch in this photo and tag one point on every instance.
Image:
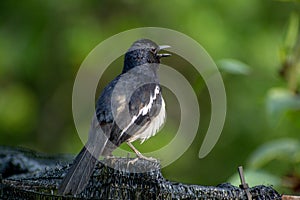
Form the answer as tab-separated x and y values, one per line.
142	134
147	108
153	127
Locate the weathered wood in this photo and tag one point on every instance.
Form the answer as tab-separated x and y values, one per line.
115	182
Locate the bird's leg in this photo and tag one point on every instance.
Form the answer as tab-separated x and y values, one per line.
139	155
135	150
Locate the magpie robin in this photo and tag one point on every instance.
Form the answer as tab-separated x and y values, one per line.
129	108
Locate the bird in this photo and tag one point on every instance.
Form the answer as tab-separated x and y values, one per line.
129	108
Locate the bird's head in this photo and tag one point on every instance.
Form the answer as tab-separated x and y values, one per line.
143	51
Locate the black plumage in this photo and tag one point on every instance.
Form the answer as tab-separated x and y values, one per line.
129	108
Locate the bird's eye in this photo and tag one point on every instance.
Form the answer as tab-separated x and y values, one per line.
153	50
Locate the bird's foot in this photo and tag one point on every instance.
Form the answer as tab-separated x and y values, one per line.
142	157
131	162
110	157
139	155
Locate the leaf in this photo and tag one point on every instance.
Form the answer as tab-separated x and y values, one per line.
233	66
290	40
292	32
279	101
283	149
256	177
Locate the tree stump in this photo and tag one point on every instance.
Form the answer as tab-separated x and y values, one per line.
37	176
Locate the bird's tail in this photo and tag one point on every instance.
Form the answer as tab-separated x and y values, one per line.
83	165
79	174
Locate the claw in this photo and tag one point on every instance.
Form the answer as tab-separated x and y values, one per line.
131	162
139	155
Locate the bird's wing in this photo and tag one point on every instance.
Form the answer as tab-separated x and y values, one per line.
106	119
125	112
144	106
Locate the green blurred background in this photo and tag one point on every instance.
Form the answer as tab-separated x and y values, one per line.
42	44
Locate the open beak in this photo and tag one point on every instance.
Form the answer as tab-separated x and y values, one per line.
161	47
